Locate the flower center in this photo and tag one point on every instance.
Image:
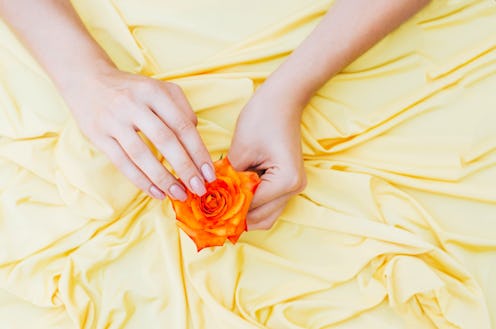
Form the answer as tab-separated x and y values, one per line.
213	203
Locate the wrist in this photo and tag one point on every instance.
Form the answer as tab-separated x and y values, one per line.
271	103
81	86
82	76
292	90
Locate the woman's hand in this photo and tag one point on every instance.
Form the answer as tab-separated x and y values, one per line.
267	136
112	106
267	140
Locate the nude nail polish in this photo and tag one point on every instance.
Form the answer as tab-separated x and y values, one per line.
208	172
197	185
178	192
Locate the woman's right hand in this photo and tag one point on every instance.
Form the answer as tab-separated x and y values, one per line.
112	106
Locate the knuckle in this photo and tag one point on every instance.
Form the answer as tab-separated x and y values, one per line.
121	100
183	125
164	180
186	168
193	118
132	174
173	88
110	122
161	134
120	110
294	181
140	182
137	149
146	87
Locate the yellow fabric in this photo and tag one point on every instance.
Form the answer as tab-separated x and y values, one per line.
396	229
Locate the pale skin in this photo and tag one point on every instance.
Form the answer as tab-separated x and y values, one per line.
111	106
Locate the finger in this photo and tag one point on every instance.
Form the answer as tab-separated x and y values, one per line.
120	159
276	183
264	217
171	148
181	101
238	156
186	133
268	223
144	159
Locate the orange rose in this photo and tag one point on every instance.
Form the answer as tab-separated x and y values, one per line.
220	213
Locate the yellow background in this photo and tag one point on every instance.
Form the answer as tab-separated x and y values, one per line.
396	229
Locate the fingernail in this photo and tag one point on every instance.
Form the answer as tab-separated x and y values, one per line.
208	172
198	186
178	192
156	192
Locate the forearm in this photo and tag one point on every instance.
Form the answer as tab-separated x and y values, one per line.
349	29
54	34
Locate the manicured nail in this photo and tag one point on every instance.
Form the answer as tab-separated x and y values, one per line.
208	173
178	192
198	186
156	192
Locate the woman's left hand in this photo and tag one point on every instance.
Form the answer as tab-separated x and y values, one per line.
267	137
267	140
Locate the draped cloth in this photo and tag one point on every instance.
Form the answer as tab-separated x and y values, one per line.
396	228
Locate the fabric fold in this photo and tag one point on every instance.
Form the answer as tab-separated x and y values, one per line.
396	228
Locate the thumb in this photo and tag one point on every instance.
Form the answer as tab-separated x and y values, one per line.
272	184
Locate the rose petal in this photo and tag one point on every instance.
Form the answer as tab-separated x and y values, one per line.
185	214
221	213
250	181
235	207
202	239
